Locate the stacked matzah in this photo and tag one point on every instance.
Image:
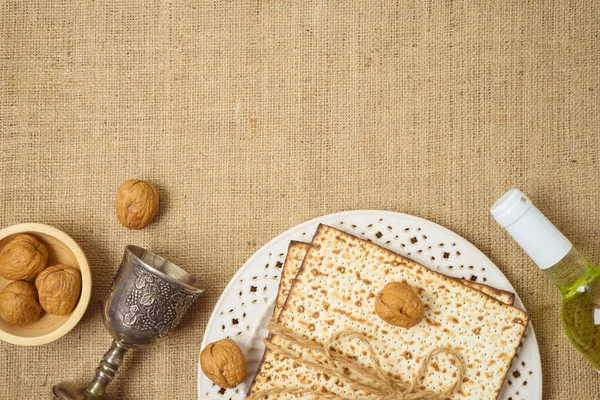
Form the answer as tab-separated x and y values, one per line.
297	252
334	290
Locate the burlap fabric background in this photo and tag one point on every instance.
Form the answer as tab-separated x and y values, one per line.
253	116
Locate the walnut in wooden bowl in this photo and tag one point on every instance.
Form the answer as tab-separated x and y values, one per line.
62	249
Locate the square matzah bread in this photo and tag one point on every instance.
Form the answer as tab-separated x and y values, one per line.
335	290
295	256
293	260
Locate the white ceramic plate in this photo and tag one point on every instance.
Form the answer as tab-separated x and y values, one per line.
247	302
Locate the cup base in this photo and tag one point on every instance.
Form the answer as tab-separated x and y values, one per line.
71	391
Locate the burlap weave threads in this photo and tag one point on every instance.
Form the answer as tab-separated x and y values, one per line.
253	116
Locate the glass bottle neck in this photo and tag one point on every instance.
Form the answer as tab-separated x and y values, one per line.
568	271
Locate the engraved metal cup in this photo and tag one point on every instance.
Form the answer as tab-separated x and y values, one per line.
147	299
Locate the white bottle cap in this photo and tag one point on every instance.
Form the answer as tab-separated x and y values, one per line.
532	231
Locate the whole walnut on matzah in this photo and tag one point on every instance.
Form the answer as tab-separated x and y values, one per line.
18	303
398	305
59	287
223	363
23	258
137	203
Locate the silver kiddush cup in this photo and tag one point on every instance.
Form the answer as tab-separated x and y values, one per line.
147	299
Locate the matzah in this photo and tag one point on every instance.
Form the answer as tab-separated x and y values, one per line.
334	291
295	256
291	266
503	296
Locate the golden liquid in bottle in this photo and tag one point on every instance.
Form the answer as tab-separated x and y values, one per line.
579	284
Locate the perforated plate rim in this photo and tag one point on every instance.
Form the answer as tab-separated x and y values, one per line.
245	305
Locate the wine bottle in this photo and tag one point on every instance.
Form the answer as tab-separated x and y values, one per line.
576	278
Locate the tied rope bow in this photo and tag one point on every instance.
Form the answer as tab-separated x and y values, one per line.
375	381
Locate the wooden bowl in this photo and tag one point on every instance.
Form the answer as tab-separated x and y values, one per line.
62	249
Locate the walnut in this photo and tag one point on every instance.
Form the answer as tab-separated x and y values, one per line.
24	257
398	305
137	203
59	287
18	303
223	363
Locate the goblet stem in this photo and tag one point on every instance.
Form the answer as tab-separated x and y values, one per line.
106	371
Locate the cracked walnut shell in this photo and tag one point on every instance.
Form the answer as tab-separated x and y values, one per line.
18	303
59	287
223	363
398	305
137	203
23	258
